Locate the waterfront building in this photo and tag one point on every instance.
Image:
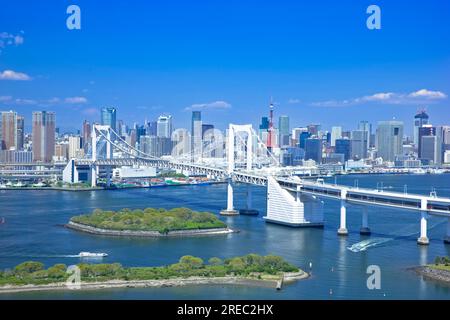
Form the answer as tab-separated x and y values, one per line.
421	119
20	132
62	151
343	146
43	131
8	130
313	149
367	127
75	147
86	135
336	133
108	117
359	144
389	139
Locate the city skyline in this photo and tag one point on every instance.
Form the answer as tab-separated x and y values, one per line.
303	55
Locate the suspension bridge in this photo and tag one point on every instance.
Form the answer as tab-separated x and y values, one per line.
247	160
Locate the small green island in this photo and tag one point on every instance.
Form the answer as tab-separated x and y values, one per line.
149	222
438	271
252	269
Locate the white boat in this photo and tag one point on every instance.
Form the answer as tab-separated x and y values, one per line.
92	255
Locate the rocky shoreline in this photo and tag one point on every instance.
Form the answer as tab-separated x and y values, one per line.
149	234
288	277
442	276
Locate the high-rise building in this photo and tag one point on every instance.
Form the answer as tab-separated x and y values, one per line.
151	128
164	126
367	127
9	130
108	117
86	135
359	143
313	149
20	132
343	147
284	131
302	139
389	139
43	131
196	134
420	120
336	133
424	131
314	129
75	147
429	150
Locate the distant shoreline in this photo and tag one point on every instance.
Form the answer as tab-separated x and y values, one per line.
439	275
108	189
148	234
174	282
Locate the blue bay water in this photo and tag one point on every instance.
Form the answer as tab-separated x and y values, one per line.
33	231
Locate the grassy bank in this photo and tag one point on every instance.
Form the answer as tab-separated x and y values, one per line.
251	266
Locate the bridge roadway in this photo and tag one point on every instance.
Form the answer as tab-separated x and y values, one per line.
432	204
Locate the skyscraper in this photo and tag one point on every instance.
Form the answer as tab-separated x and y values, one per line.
20	132
196	134
108	118
313	149
359	144
367	127
284	131
86	135
424	131
43	131
164	126
389	139
9	130
420	120
336	133
343	146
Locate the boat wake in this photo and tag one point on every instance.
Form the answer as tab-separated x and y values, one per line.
406	232
366	244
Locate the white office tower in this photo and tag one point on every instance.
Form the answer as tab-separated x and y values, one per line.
164	126
336	133
283	208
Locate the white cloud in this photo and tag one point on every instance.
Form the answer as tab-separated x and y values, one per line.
20	101
13	75
216	105
428	94
422	96
75	100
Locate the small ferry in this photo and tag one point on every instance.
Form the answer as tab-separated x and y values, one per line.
92	255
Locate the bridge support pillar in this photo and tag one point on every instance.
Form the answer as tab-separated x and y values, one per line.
108	177
343	226
248	210
229	211
93	176
423	240
365	230
447	236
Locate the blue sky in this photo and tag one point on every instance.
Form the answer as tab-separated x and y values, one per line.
316	58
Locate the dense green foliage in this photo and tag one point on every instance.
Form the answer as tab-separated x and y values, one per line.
150	219
251	265
443	261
